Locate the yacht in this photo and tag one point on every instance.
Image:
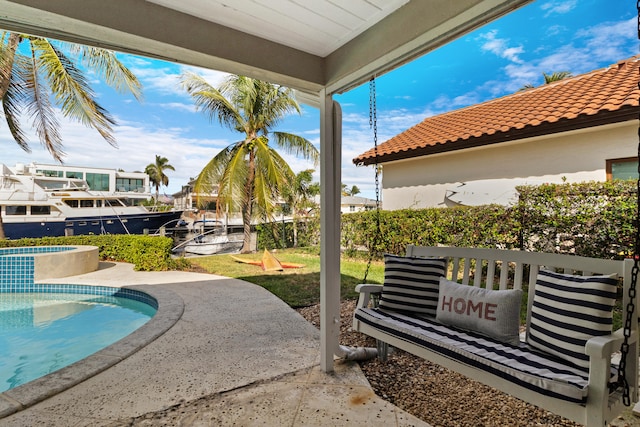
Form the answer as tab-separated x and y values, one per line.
208	236
36	204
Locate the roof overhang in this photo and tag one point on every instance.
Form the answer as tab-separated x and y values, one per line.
602	118
149	29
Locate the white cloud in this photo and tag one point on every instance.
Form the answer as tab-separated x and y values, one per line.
213	77
519	75
610	41
499	47
554	30
160	80
179	106
559	7
358	137
137	147
446	103
607	42
164	78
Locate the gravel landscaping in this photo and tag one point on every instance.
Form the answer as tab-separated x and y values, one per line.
437	395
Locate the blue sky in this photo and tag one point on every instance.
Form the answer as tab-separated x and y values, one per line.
493	61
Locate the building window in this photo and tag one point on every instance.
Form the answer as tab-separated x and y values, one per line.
98	181
626	168
50	173
129	184
74	175
16	210
352	208
40	210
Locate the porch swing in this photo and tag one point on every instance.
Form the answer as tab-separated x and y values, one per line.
422	308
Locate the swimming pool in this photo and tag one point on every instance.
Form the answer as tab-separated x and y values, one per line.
47	327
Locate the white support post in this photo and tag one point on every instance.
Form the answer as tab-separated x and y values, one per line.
330	191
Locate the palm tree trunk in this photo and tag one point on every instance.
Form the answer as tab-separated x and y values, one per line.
6	68
295	230
248	204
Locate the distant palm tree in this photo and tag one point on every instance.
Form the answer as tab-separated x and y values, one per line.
350	191
250	172
156	173
299	196
29	76
550	78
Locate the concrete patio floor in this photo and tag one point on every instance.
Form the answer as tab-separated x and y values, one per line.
234	355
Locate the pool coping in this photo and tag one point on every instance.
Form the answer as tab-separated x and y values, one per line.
170	310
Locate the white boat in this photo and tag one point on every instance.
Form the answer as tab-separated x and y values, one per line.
208	237
212	244
35	205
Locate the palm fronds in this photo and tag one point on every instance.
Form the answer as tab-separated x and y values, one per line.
30	85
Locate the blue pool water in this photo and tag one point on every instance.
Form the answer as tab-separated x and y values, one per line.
43	332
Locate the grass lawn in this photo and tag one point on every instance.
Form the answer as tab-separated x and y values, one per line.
298	287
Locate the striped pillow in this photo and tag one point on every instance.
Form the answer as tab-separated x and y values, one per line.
411	284
569	310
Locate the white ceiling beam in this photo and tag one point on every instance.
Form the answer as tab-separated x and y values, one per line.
144	28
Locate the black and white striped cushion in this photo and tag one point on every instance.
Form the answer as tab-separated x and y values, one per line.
411	284
521	365
568	310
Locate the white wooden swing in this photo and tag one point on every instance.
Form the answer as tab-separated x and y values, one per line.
591	394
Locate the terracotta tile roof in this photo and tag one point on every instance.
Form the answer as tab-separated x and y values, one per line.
600	97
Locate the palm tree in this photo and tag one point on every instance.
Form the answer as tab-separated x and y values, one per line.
29	76
156	173
250	172
550	78
350	191
299	196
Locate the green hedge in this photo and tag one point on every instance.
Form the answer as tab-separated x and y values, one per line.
147	253
486	226
595	219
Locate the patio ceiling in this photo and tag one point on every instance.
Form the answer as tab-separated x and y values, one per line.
304	44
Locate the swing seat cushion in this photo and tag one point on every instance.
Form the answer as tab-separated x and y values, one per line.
411	284
569	310
520	364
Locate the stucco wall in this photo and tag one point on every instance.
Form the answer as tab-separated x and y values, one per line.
578	156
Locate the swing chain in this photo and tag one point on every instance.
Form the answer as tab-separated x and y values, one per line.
630	309
373	124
